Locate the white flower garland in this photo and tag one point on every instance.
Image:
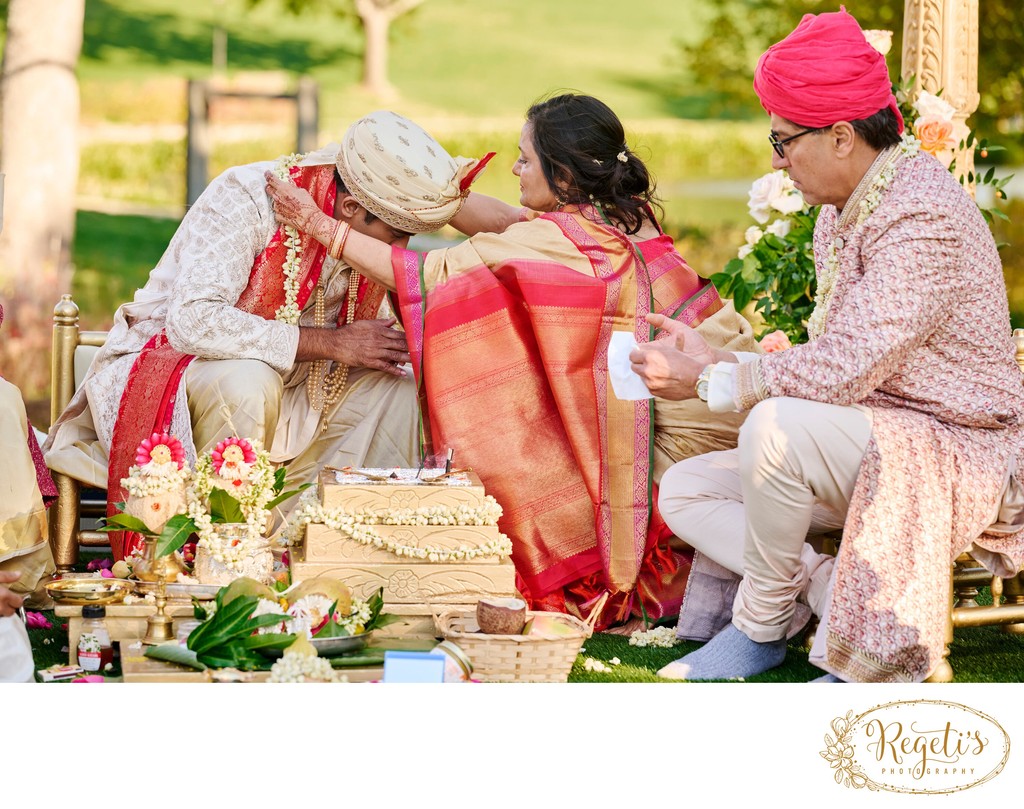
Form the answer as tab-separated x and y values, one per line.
253	500
289	310
661	636
868	201
297	668
155	479
357	525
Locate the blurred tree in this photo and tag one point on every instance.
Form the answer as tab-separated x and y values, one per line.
375	17
721	65
39	157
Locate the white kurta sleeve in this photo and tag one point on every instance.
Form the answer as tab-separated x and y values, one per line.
220	237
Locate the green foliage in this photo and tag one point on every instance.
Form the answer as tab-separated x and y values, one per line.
722	76
227	639
778	274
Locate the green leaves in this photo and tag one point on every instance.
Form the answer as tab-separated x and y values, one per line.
176	532
229	638
125	522
777	273
284	495
224	507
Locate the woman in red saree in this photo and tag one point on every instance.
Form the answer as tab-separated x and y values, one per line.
509	333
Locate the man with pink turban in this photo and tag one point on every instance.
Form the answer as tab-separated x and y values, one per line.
899	422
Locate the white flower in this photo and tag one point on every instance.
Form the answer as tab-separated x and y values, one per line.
780	228
753	234
879	39
663	636
745	251
931	105
774	190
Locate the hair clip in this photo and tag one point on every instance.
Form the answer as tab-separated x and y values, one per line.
621	156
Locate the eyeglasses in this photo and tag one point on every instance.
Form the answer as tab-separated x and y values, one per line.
777	144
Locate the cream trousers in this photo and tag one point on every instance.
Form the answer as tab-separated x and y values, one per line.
751	509
375	423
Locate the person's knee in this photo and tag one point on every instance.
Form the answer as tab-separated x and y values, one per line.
766	435
233	397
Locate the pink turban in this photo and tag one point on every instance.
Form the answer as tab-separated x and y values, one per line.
823	72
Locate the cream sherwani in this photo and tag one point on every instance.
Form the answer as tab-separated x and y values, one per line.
191	294
902	424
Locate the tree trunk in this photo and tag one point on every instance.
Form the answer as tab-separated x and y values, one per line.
40	160
376	18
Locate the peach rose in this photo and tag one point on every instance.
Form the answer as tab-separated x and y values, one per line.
935	134
775	341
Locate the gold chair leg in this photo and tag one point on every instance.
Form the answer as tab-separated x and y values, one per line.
64	524
1013	589
943	672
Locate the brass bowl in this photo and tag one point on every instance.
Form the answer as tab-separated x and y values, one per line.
80	592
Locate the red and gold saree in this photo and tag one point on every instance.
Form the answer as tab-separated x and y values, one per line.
510	351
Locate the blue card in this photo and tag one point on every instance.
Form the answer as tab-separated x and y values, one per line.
413	667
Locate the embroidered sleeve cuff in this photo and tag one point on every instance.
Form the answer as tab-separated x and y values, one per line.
750	385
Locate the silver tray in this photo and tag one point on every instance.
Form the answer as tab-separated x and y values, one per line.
330	647
200	592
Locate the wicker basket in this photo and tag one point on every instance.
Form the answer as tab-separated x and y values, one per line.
517	658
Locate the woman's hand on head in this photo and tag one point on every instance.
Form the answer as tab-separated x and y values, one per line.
293	206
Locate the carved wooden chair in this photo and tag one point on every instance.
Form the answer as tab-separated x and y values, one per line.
73	350
1007	607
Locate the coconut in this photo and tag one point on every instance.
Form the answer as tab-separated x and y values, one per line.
156	509
501	616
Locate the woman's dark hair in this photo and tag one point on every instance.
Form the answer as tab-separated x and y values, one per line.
579	141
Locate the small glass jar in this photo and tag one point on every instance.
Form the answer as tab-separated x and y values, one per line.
95	651
457	665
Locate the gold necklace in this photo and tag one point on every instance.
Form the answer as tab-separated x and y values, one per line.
324	387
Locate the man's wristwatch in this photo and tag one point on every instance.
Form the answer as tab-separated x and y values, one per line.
703	383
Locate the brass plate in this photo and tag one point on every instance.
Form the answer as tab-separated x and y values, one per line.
81	592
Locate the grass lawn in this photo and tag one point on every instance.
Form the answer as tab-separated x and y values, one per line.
447	57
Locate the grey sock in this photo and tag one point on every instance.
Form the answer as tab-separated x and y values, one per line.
827	678
727	656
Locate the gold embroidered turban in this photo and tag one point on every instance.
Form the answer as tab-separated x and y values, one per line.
402	175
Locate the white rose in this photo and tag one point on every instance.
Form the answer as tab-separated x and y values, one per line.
931	105
753	234
745	251
761	193
879	39
780	228
788	199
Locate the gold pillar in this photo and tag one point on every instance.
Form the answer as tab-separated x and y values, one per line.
940	49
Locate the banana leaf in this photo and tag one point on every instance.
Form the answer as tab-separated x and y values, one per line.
175	653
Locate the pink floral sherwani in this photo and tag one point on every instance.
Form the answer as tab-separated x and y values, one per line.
919	332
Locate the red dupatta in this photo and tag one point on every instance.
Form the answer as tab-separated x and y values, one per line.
149	397
512	362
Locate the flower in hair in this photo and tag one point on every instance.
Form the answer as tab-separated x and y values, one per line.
621	156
